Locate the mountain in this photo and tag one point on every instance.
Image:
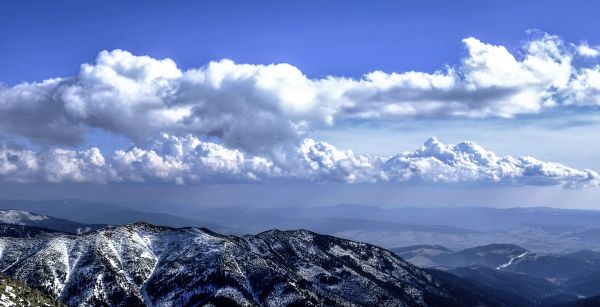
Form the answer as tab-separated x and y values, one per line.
480	292
476	218
589	235
89	212
505	257
524	276
139	264
22	231
536	290
554	267
473	218
421	255
14	293
143	264
491	255
437	256
584	302
543	230
19	217
586	284
585	255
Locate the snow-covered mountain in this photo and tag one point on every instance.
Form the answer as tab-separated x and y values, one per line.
141	264
25	218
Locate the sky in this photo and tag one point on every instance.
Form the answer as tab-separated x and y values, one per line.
386	101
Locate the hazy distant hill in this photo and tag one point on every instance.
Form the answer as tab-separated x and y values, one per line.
90	212
421	255
536	290
538	229
540	279
543	230
19	217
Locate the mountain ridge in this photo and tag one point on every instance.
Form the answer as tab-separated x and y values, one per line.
142	264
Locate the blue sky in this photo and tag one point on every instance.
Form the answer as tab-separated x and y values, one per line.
130	95
42	39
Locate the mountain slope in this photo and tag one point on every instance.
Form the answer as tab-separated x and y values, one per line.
89	212
477	292
140	264
421	255
521	275
554	267
537	291
13	293
19	217
584	255
491	255
543	230
584	302
587	284
505	257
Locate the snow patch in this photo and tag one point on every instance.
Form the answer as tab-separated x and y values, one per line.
18	217
511	261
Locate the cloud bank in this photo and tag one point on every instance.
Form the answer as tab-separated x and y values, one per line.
188	160
256	108
259	116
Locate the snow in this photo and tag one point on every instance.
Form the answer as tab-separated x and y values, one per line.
81	230
18	217
7	301
8	298
512	259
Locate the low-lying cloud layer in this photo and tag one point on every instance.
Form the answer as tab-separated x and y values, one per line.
187	160
257	107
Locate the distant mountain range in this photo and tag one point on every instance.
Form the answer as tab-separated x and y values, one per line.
541	279
89	212
544	230
492	255
19	217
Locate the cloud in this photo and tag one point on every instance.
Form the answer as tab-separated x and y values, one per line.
258	118
57	165
188	160
261	108
586	51
37	112
467	161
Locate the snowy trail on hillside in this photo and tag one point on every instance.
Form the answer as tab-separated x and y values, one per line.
511	260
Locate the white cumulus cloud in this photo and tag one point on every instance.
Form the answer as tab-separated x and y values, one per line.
467	161
261	108
188	160
586	51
